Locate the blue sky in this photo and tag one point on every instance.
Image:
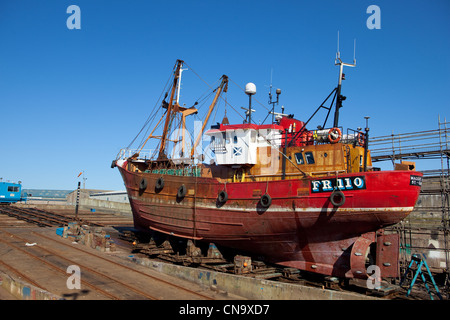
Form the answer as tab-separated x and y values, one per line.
71	99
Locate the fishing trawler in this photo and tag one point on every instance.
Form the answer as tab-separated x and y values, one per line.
306	199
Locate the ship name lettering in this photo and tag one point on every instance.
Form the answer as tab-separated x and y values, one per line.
415	181
347	183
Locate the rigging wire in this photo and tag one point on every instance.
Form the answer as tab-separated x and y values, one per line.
152	115
253	99
226	102
267	140
201	100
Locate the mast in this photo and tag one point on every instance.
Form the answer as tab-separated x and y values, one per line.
222	87
162	152
336	93
340	98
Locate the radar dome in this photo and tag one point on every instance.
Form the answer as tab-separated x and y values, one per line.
250	88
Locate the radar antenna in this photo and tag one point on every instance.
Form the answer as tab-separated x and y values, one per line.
273	103
336	93
338	62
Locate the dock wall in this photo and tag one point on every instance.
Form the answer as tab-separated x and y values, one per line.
247	287
24	291
423	232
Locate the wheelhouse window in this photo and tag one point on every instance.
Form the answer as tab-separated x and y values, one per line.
299	158
309	157
13	189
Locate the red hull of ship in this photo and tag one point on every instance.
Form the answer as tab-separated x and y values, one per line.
300	229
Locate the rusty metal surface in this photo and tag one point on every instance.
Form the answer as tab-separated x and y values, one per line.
360	250
305	232
387	254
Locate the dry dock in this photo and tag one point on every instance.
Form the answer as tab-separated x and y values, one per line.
38	264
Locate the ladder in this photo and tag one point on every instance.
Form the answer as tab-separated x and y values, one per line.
420	261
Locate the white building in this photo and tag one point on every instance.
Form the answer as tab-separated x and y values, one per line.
115	196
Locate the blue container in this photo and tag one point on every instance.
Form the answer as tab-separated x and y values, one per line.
60	231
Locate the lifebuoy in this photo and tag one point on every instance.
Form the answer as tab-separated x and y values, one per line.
337	198
265	201
181	191
334	135
159	185
223	196
143	184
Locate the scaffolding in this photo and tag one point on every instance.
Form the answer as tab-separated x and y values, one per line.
434	200
431	144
